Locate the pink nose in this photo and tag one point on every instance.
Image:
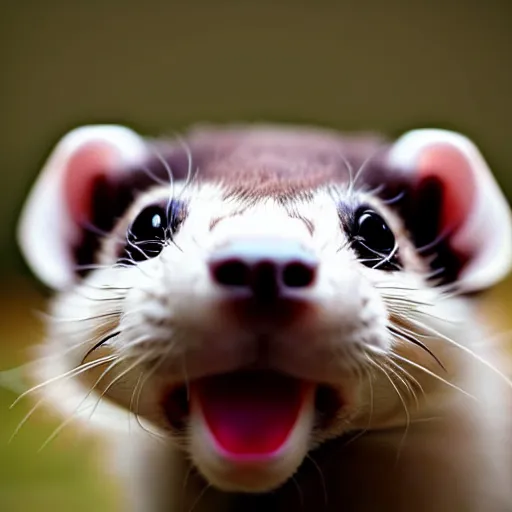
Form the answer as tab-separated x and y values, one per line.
266	269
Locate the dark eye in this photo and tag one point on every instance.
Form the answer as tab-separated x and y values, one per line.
373	240
150	231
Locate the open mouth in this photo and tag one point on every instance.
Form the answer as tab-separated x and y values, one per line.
250	413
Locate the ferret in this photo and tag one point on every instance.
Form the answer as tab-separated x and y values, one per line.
278	318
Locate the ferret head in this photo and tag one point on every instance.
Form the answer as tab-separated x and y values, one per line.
252	292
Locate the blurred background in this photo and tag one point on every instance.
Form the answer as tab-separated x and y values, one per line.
158	66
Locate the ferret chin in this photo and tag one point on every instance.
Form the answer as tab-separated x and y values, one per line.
271	317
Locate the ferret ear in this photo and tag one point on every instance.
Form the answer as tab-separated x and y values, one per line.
474	214
60	203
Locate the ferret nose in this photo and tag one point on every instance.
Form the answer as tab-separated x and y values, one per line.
268	269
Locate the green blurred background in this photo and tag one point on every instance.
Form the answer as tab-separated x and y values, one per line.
161	65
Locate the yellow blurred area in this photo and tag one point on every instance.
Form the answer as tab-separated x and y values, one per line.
62	475
160	66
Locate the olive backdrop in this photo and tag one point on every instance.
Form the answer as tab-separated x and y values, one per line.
159	66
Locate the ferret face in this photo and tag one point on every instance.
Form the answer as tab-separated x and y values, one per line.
267	316
249	320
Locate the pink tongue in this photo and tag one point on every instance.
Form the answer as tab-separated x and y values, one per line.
252	412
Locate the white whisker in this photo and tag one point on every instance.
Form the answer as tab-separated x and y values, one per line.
71	373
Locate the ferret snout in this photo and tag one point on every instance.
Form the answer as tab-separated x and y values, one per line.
263	269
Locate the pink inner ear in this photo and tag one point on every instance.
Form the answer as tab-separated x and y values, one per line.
88	163
452	169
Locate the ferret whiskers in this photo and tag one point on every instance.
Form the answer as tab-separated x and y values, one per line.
383	369
69	374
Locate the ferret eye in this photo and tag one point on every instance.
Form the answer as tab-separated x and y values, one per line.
146	236
373	240
151	230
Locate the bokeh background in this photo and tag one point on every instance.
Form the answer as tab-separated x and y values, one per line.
386	65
